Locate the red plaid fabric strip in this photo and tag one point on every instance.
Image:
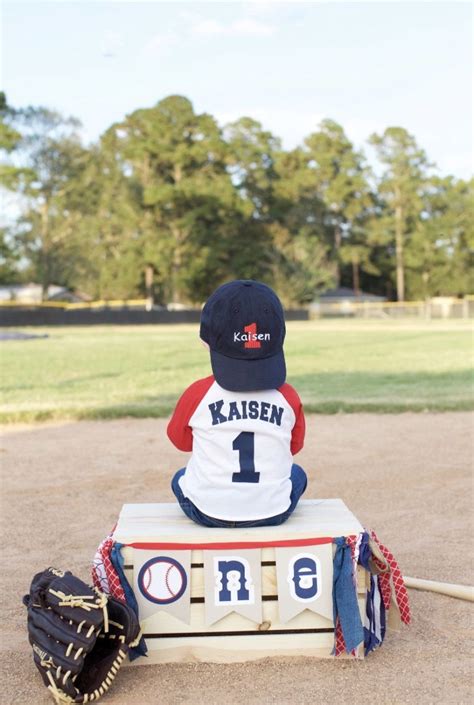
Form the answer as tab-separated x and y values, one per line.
385	583
340	645
395	577
103	573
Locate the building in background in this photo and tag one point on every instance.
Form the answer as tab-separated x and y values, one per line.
33	294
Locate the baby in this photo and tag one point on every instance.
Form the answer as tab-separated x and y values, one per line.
243	424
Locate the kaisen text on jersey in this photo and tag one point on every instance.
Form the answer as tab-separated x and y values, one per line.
236	410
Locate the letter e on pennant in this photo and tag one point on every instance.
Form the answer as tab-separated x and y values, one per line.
304	577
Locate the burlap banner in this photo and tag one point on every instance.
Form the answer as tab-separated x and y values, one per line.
232	582
162	582
304	578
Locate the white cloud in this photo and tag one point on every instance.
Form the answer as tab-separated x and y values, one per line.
268	7
208	27
251	26
160	42
260	7
111	43
193	25
243	27
289	124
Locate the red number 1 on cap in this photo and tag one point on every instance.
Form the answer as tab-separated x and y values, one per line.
252	342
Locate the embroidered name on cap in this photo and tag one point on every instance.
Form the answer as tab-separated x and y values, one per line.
246	337
250	336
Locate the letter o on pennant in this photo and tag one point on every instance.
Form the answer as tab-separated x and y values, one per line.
162	580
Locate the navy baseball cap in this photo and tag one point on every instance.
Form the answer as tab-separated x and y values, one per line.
244	326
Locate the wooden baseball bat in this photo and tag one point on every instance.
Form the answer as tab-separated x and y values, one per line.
462	592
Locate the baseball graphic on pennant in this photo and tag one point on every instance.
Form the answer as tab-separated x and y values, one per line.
162	580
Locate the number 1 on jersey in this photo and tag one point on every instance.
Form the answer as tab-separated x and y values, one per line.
245	444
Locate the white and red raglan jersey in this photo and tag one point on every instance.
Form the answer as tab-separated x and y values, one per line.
242	447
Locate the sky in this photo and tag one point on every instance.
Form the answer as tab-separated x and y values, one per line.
367	65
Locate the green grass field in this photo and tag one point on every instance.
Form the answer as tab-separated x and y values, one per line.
108	372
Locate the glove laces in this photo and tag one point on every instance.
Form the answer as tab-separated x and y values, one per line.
85	602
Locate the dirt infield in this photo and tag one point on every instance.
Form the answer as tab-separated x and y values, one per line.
407	476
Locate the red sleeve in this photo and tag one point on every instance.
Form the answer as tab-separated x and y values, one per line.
179	431
297	434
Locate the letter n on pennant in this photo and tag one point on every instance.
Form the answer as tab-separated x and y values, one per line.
232	583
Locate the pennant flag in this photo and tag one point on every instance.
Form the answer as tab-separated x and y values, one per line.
304	577
162	582
232	581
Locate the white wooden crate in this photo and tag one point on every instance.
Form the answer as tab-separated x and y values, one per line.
234	637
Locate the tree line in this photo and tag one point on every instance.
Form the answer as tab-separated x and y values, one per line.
169	191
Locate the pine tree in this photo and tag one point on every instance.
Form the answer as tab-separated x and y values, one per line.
401	189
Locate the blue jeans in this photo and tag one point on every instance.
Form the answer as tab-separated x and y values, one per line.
299	482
